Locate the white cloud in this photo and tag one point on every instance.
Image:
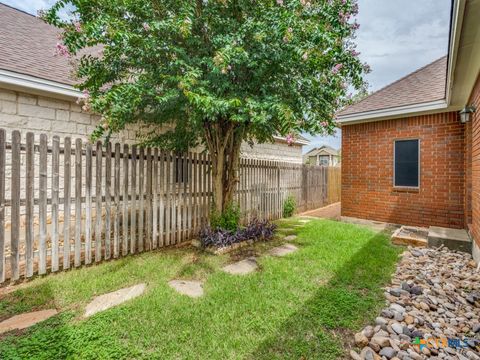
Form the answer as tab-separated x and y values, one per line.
30	6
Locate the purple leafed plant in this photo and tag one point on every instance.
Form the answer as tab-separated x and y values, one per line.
256	230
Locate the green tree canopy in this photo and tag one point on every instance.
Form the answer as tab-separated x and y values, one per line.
217	71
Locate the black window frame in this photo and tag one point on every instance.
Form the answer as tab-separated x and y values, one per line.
417	186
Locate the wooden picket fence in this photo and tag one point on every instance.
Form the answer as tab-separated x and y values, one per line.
67	204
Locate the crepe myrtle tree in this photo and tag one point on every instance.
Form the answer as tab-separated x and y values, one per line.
217	72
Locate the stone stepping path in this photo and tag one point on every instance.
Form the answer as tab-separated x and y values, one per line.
283	250
290	237
304	221
23	321
106	301
242	267
285	229
191	288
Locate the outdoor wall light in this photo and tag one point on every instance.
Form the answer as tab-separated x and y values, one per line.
465	113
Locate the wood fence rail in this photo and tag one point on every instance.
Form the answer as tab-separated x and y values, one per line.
66	204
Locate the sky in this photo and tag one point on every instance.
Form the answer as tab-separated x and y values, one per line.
395	38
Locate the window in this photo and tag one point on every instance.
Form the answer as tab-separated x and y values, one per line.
406	163
324	160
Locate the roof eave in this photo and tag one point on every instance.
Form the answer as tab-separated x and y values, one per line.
32	84
296	141
396	112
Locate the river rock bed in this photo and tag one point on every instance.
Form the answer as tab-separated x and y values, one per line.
433	300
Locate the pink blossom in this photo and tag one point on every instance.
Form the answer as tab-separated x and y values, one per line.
146	27
290	139
337	68
354	52
355	26
78	26
355	9
62	50
324	123
290	30
305	3
86	94
280	2
343	17
305	56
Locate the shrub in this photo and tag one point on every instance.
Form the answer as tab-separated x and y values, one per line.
256	230
229	220
289	206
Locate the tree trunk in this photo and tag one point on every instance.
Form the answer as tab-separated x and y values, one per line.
223	139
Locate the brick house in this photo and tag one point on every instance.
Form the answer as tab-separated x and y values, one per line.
411	151
37	90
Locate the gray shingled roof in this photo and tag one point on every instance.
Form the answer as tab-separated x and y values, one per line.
27	46
423	85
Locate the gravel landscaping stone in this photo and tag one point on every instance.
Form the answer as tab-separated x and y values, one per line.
434	294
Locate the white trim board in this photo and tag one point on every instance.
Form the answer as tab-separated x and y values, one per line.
28	83
396	112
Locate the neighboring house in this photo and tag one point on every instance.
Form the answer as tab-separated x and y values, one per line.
410	151
323	155
37	89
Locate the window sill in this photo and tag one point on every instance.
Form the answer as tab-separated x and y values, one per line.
406	189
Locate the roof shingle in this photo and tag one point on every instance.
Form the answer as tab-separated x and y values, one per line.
423	85
27	46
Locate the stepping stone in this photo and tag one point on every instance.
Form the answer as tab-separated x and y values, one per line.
242	267
26	320
290	237
304	221
190	288
283	250
106	301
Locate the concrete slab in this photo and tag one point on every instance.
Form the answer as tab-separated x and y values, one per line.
454	239
410	235
106	301
191	288
23	321
290	237
376	226
242	267
283	250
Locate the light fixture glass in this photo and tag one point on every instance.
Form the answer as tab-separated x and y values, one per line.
465	113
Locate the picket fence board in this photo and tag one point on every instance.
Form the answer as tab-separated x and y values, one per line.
128	199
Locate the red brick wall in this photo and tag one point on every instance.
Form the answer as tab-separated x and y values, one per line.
367	171
473	182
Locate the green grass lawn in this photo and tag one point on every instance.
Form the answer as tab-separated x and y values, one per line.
306	305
